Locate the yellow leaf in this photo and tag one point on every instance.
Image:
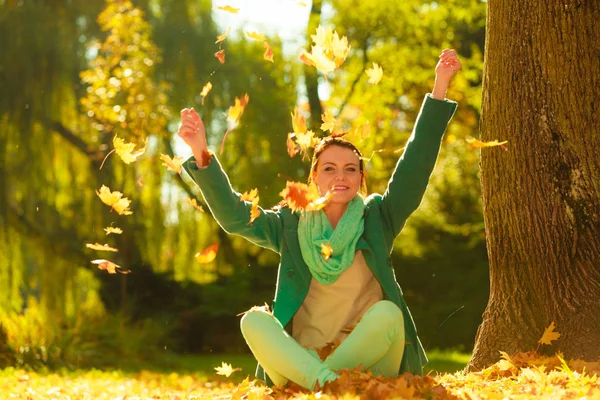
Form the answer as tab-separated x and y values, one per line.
125	150
229	9
226	369
302	197
115	230
222	37
328	121
208	254
109	266
268	52
374	74
549	335
326	251
205	91
249	196
302	4
306	141
255	35
100	247
115	200
253	198
479	144
298	122
172	164
194	203
235	112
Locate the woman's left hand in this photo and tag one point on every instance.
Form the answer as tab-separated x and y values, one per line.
447	66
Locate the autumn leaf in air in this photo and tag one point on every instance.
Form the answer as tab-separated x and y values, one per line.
109	266
292	147
229	9
298	122
222	37
253	198
234	114
205	90
306	140
208	254
115	230
194	203
172	164
326	251
220	56
126	150
100	247
374	74
268	52
549	335
328	121
328	52
115	200
302	4
226	369
302	197
477	144
255	35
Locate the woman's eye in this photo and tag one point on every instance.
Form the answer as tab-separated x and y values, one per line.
351	169
328	168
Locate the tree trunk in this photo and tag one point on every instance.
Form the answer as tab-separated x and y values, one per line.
541	197
310	73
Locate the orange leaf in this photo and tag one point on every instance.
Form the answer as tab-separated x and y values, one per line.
194	203
479	144
115	200
205	91
109	266
249	196
326	251
229	9
253	198
208	254
268	52
221	56
301	197
235	112
173	164
222	37
549	335
114	230
100	247
292	147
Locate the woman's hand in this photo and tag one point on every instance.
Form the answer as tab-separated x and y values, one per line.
193	134
446	68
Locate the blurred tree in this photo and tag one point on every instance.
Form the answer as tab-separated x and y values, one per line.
542	214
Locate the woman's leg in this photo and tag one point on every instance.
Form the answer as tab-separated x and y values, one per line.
376	343
280	355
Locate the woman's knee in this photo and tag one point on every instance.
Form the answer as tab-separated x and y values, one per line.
254	321
386	311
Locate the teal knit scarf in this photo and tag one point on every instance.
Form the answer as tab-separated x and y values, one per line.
314	230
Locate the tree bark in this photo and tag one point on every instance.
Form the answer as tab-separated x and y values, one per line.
541	197
310	73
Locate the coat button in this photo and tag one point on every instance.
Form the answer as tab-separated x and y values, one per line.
291	273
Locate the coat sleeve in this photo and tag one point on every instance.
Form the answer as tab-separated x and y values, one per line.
232	214
407	185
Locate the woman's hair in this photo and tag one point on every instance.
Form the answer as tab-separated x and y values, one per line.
338	141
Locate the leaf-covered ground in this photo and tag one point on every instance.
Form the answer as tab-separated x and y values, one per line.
521	376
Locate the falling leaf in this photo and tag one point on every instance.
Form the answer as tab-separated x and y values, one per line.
172	164
222	37
229	9
306	140
205	90
109	266
318	59
125	150
249	196
292	147
326	251
302	4
226	369
298	122
255	35
220	56
268	52
115	230
100	247
328	52
235	112
479	144
374	74
194	203
253	198
302	197
208	254
328	121
549	335
115	200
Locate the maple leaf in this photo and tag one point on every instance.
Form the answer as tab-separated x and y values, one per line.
375	74
226	369
220	56
477	144
194	203
205	90
328	121
109	266
115	200
326	251
306	141
340	49
268	52
208	254
235	112
549	335
298	122
114	230
319	59
253	198
222	37
302	197
229	9
302	4
255	35
125	150
292	147
100	247
173	164
328	52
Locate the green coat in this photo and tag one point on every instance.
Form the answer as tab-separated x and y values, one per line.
385	217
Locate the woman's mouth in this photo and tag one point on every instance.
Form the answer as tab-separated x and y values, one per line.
339	188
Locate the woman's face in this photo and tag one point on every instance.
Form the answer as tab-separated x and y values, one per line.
338	171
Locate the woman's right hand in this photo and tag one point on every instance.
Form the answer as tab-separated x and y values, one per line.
192	131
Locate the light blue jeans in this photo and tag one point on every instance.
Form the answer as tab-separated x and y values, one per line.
376	344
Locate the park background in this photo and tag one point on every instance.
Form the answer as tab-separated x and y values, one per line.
75	74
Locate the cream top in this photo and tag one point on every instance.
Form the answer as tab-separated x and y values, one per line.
329	309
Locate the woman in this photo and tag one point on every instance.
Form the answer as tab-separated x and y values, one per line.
352	298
